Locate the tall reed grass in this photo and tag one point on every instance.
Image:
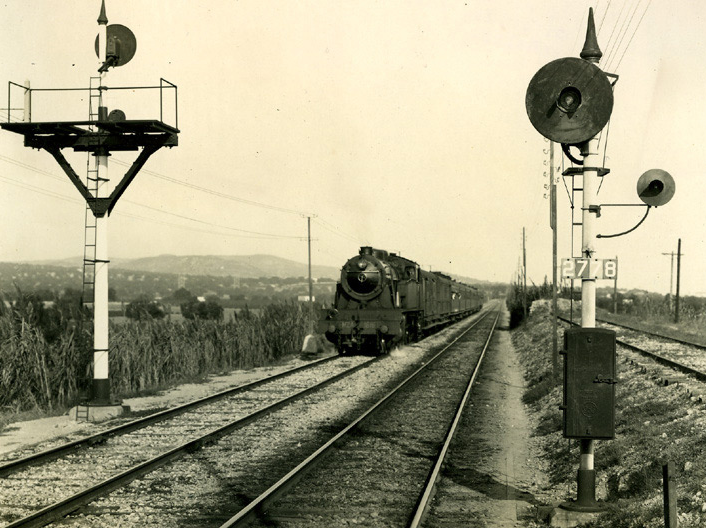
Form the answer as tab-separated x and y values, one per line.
46	370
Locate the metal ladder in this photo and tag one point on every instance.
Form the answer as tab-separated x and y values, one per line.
574	224
92	180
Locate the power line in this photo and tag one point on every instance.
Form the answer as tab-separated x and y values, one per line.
323	223
610	46
604	16
326	225
335	230
217	193
633	34
615	50
129	215
56	177
265	235
39	190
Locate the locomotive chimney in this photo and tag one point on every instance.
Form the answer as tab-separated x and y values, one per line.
366	250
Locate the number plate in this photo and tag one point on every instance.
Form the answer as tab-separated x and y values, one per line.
363	325
583	268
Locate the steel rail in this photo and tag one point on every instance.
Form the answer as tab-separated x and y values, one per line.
269	496
430	486
654	334
647	332
70	447
64	507
671	363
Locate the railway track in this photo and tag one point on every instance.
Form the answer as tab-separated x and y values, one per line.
19	459
96	465
679	356
181	485
398	444
653	334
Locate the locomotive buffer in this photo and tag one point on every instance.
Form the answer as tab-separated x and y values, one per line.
100	135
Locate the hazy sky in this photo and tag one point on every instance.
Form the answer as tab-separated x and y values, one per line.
399	124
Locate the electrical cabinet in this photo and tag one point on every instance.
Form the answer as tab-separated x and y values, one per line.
589	383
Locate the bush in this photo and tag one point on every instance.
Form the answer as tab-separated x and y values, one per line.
209	310
143	309
39	373
515	299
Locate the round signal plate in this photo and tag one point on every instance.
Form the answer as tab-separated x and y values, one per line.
655	187
569	100
128	42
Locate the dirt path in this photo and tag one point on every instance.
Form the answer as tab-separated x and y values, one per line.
494	476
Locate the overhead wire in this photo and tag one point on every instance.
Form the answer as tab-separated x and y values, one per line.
600	26
58	195
220	194
613	54
333	229
177	215
259	235
39	190
610	46
633	34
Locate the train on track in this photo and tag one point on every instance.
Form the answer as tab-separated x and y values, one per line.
384	299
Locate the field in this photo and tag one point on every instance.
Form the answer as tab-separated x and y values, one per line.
46	353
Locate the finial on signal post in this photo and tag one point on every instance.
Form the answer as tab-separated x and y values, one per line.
102	18
591	51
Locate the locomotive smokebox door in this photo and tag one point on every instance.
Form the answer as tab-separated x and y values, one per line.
589	383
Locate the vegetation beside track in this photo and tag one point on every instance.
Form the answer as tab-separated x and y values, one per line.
46	353
654	424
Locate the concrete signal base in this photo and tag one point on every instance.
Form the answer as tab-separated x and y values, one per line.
90	412
563	518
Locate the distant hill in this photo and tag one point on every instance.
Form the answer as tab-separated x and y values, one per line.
255	280
245	266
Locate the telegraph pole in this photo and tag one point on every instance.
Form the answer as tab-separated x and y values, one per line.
676	301
311	343
671	278
524	275
311	287
552	223
615	290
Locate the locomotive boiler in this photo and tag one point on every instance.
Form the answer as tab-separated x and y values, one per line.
383	299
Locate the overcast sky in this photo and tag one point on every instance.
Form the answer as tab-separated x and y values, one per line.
398	124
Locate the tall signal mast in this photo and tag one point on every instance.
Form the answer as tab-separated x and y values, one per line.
570	101
107	131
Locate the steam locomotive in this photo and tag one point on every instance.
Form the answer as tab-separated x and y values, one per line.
383	299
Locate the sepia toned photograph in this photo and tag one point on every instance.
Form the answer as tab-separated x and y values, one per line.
329	263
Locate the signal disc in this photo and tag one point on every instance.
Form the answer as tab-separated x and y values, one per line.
569	100
128	42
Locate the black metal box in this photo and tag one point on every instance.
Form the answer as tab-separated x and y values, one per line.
589	383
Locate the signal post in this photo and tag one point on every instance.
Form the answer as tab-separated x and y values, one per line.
586	476
101	134
101	328
569	101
